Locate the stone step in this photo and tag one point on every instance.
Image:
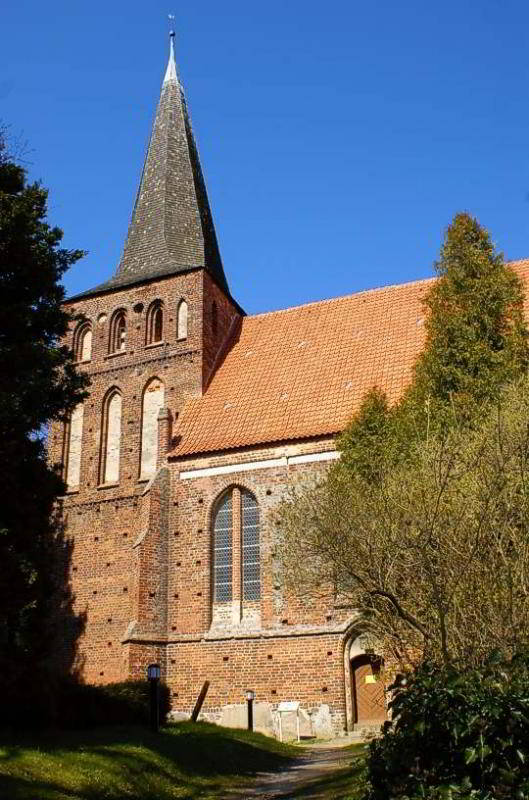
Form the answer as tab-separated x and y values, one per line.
367	730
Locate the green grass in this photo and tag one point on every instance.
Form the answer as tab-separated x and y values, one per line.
130	763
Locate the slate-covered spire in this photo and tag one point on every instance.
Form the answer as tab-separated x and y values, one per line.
171	229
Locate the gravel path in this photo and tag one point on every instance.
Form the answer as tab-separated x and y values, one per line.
310	766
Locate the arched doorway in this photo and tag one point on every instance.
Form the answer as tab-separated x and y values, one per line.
367	689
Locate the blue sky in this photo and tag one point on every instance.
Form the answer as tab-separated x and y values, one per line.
337	140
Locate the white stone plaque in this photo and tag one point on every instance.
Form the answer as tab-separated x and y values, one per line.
288	705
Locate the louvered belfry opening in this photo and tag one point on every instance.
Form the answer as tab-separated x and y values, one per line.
118	333
154	327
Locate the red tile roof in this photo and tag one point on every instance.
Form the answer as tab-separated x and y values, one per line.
302	372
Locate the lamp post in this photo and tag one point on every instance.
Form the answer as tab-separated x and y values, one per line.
153	676
250	696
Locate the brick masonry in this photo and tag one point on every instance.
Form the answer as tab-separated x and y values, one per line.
142	558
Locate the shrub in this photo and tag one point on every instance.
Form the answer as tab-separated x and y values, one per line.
86	706
456	735
70	704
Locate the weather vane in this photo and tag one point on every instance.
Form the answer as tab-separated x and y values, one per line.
171	18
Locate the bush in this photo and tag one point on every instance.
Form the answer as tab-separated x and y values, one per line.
456	735
86	706
41	704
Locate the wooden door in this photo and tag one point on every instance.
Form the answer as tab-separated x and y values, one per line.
368	690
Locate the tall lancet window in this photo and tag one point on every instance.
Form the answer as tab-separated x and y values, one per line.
182	321
236	540
74	447
155	323
111	438
153	400
118	333
251	556
223	550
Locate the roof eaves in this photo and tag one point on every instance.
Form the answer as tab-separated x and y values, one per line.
113	285
260	442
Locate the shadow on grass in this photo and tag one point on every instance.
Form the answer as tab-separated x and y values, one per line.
15	787
182	761
348	783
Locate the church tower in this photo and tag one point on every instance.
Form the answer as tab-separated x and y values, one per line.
149	338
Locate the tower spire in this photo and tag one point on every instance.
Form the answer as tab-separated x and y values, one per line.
170	73
171	230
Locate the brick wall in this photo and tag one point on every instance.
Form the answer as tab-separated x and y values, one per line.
142	556
308	669
110	577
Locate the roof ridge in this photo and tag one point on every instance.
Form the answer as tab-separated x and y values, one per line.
415	282
342	297
517	261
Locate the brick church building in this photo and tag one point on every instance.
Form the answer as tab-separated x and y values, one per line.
199	418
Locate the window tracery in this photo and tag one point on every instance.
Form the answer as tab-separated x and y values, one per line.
236	540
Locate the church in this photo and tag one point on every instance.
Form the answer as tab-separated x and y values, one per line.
199	420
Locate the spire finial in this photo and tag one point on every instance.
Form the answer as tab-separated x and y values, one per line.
170	74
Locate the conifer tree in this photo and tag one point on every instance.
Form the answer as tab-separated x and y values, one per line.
477	338
477	341
366	443
38	383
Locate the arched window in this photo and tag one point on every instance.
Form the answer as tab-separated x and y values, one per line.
251	556
83	342
155	323
74	446
181	328
111	438
223	550
153	400
118	333
236	525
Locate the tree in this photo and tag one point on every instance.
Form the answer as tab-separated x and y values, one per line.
370	440
38	383
477	338
389	524
434	554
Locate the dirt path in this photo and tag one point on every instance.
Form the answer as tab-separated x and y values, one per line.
313	764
